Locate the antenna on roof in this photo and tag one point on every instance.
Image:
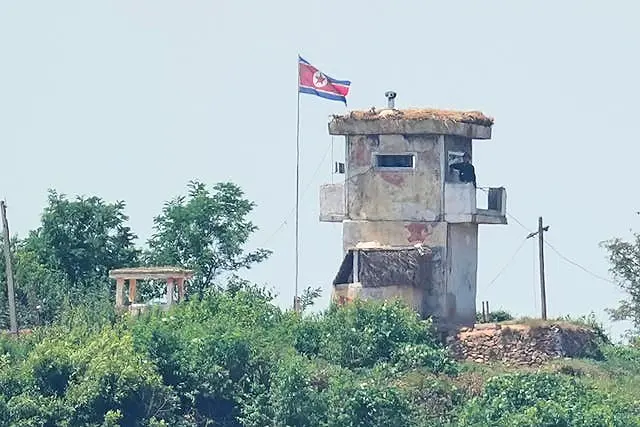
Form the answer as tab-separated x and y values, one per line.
391	96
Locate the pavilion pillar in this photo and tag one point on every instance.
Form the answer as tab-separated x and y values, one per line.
119	292
170	290
132	291
180	282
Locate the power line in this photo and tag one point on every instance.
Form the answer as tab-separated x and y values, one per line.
518	222
597	276
563	257
507	264
304	191
302	194
566	259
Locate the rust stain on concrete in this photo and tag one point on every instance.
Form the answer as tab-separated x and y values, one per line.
360	153
393	178
418	233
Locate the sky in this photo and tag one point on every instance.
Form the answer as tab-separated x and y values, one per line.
129	100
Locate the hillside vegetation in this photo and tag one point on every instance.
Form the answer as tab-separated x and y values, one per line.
233	358
229	357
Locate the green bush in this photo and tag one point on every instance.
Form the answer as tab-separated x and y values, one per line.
32	409
436	360
361	334
543	399
367	402
495	316
590	322
234	359
51	367
231	358
16	348
434	399
622	361
218	353
4	413
111	376
298	394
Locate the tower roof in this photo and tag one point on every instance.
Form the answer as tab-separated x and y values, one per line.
470	124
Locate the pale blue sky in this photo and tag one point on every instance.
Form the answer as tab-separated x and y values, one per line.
131	99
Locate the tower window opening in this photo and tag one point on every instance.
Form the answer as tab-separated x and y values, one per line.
395	161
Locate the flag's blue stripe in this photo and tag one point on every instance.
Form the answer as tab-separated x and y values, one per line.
327	89
340	82
325	95
331	79
304	61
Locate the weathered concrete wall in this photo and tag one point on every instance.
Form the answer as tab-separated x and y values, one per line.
434	298
332	206
346	293
459	202
393	195
461	268
394	233
433	235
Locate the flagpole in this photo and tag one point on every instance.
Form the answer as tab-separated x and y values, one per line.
295	298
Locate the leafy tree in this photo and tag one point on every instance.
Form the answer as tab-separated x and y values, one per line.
39	289
309	297
65	261
82	238
624	257
205	231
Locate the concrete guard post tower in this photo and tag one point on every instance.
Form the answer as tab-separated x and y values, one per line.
410	227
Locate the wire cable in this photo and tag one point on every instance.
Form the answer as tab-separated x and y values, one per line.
563	257
506	265
575	264
519	222
302	194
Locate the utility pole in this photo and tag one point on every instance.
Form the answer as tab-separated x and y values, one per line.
7	257
543	290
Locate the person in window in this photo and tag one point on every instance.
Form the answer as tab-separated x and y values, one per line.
466	171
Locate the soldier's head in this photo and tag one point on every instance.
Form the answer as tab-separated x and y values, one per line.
466	157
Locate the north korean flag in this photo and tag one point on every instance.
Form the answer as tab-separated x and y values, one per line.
314	82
